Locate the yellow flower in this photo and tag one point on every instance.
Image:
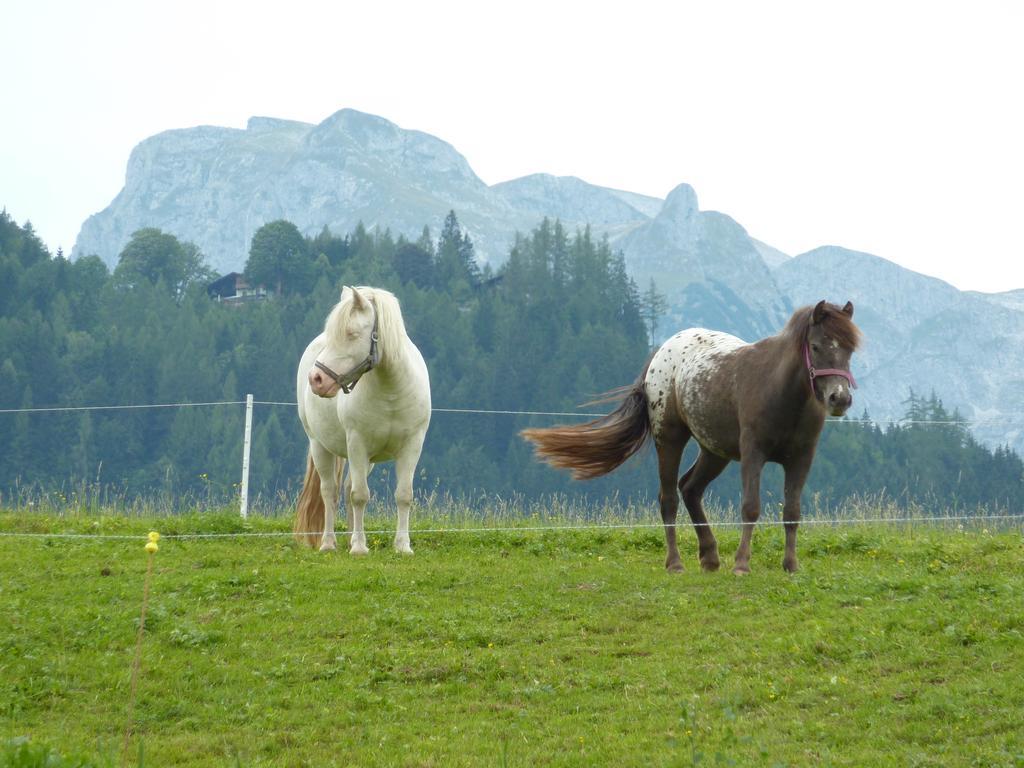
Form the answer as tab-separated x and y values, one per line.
154	536
151	547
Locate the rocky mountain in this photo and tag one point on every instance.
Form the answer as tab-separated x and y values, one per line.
707	265
217	186
574	200
1008	299
773	257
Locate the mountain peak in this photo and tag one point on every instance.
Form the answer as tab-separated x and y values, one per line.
354	119
681	202
349	126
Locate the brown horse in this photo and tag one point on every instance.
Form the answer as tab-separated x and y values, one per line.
751	403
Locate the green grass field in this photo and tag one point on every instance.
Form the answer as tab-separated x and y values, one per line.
895	645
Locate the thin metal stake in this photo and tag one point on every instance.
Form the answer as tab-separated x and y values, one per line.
245	456
137	662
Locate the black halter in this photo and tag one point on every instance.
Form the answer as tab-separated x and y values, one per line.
347	381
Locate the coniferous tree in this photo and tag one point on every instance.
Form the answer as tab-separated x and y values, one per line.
455	265
336	249
652	308
414	264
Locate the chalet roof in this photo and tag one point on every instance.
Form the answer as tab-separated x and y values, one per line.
226	285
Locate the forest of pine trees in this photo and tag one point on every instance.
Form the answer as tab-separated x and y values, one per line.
558	323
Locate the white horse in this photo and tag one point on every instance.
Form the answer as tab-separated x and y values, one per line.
384	418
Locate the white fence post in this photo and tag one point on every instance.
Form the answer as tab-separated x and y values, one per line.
245	456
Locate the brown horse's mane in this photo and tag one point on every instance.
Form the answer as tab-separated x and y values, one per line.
837	325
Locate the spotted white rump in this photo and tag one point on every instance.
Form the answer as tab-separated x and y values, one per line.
679	376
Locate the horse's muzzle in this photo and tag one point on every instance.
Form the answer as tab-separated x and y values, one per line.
322	385
839	401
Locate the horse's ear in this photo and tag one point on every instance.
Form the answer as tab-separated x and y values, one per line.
358	302
819	312
343	289
848	309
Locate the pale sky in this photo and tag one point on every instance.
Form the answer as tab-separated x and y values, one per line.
895	128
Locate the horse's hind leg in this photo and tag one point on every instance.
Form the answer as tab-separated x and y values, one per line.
706	468
670	452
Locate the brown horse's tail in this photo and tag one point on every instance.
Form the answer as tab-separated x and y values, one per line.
309	513
597	447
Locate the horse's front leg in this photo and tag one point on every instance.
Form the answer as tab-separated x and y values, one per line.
326	463
405	470
796	475
751	464
358	496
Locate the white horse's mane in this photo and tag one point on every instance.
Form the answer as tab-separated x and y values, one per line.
391	327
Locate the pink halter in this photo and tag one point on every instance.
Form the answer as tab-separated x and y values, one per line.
814	373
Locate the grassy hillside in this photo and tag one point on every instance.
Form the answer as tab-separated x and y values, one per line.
893	646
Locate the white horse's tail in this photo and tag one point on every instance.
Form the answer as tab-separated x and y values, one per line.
309	513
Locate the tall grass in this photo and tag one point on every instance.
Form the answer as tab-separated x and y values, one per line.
434	509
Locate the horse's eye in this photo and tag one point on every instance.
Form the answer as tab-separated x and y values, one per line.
815	348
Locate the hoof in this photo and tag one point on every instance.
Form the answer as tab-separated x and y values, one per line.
359	550
328	546
790	566
741	570
708	556
674	566
403	549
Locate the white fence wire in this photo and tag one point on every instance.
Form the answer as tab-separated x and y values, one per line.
249	402
1005	418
